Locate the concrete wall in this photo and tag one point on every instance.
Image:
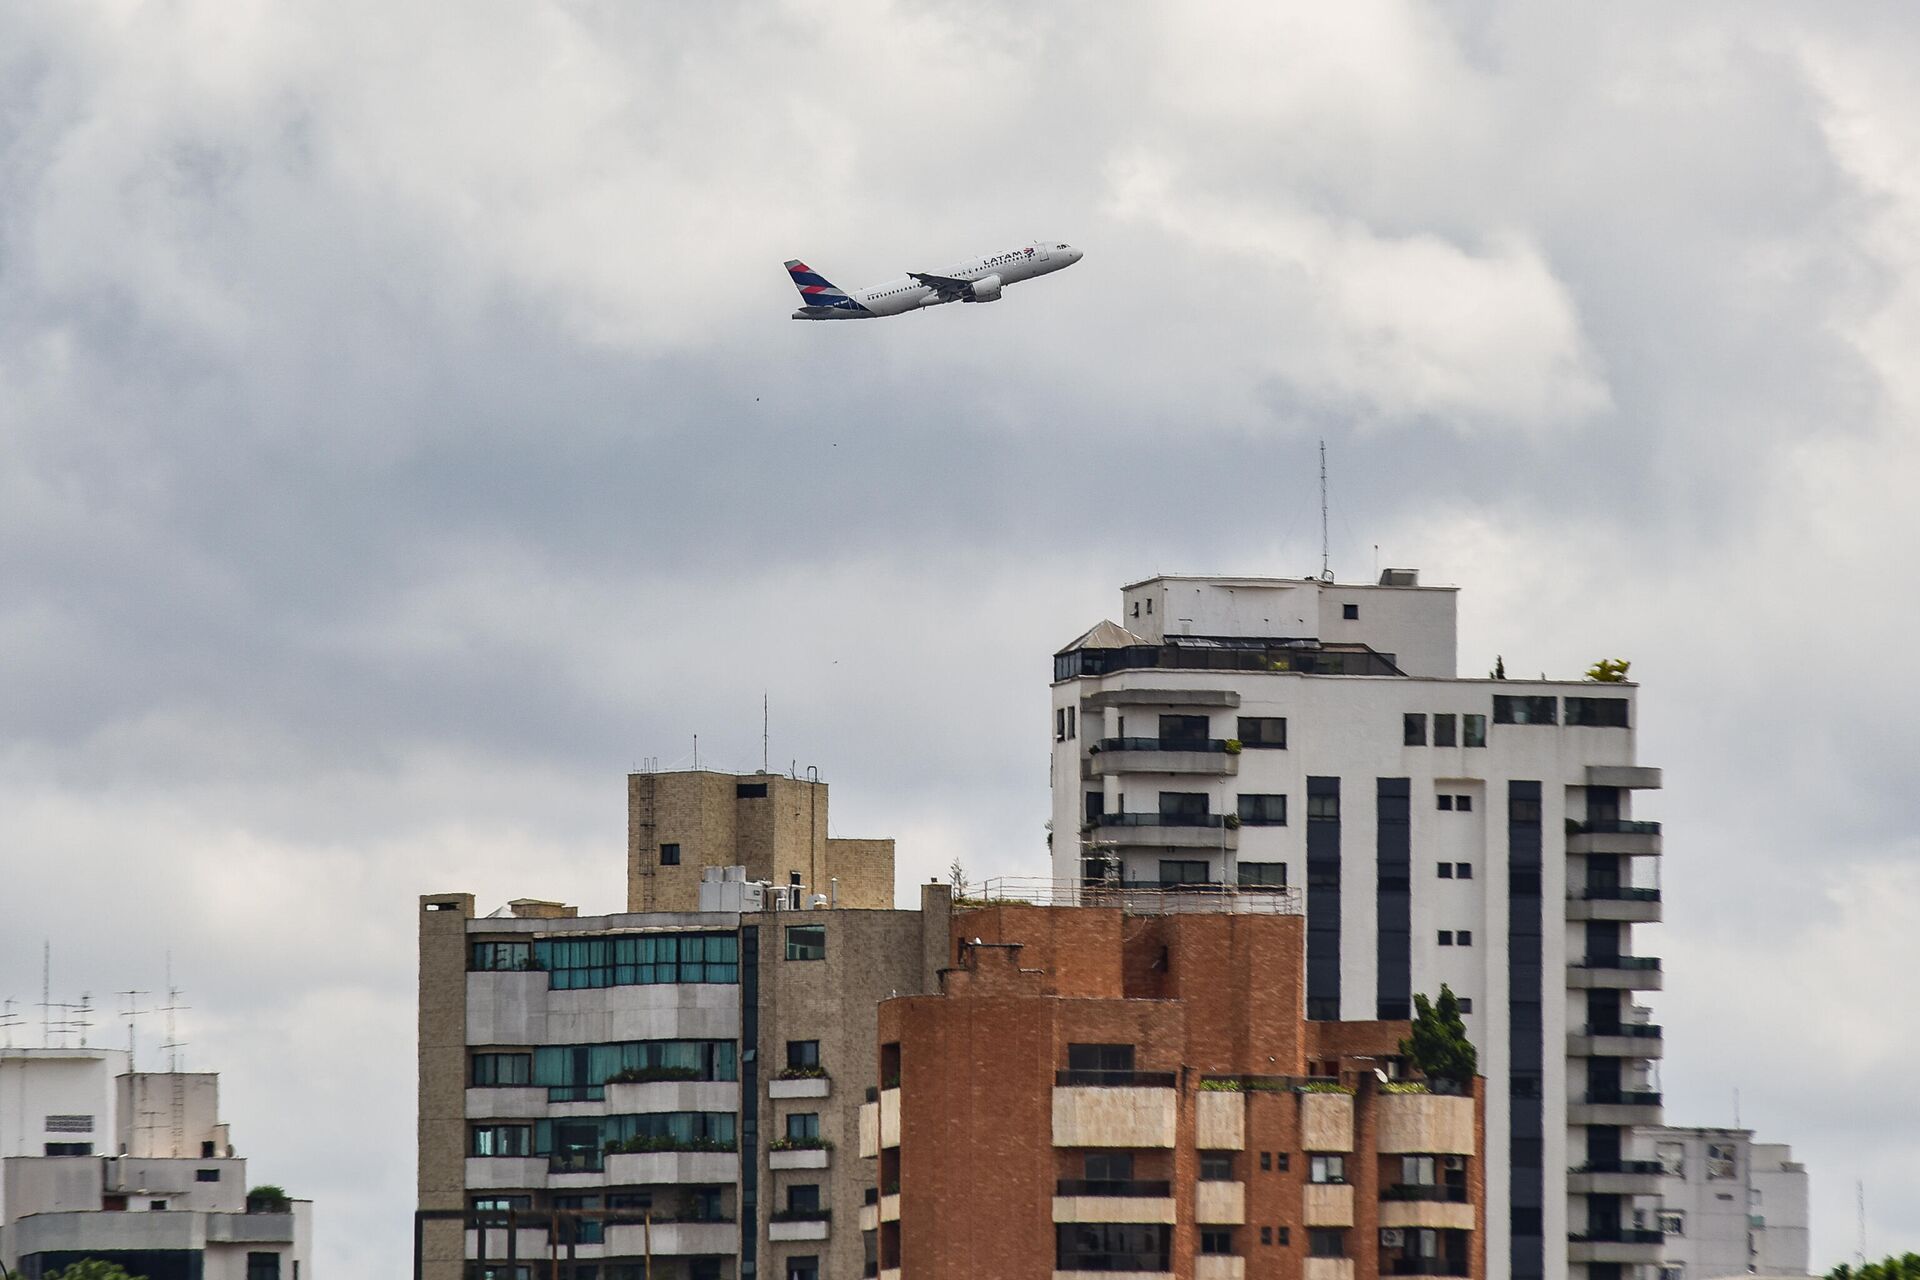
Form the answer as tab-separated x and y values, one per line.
441	1121
170	1114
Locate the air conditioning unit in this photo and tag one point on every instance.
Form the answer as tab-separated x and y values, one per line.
1392	1237
1453	1162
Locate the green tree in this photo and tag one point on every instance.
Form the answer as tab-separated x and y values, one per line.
1904	1267
94	1269
1499	671
1439	1046
1609	670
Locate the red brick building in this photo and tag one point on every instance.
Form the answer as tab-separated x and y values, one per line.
1142	1096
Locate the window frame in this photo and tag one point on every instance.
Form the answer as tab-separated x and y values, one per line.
800	945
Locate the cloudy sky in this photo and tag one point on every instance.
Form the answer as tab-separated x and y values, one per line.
402	436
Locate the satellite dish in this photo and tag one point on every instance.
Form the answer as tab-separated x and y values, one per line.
1380	1075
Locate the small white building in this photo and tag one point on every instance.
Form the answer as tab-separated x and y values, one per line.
1730	1206
97	1161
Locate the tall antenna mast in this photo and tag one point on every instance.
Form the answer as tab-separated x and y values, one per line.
766	723
46	992
1860	1245
8	1020
174	1043
132	1014
1326	570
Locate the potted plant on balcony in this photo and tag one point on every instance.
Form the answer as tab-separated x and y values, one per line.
268	1198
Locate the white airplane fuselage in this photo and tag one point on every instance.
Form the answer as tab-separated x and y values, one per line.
979	280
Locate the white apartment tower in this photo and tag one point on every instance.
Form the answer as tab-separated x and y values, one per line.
1258	733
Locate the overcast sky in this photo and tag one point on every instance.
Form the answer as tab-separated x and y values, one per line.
402	436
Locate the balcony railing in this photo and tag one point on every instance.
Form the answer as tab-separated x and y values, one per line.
1623	1098
1433	1193
1613	893
1427	1267
1106	1079
800	1215
1617	1235
1150	899
1612	827
1619	1166
1631	1030
576	1162
1112	1187
1160	820
1216	746
1617	962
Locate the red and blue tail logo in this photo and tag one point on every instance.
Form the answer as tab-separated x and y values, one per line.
818	291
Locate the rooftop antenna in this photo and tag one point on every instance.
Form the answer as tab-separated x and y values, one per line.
1736	1108
132	1014
1860	1243
696	753
174	1043
1326	570
82	1019
46	992
766	723
8	1020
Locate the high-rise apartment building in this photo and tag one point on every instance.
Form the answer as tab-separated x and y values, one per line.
1095	1092
134	1168
666	1094
1730	1206
1264	733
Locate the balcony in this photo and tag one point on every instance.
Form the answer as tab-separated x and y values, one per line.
1168	830
1424	1122
799	1085
1614	836
799	1224
674	1239
1218	1266
1434	1207
1619	1040
1113	1109
1112	1200
1628	903
1616	1178
1624	777
679	1167
1220	1202
788	1153
1163	755
1112	1187
1327	1205
1618	1108
1617	973
1617	1245
1426	1267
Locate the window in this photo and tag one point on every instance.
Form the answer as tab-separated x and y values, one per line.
669	855
1350	612
1673	1222
805	1267
1073	730
1183	804
1328	1170
69	1124
1266	1162
69	1148
1466	1004
1326	1242
1100	1057
1323	808
1446	937
498	1069
749	791
1283	1236
1522	810
1216	1240
1444	729
1183	729
1720	1161
1216	1166
1111	1246
263	1266
1473	731
1263	810
1446	871
1263	731
1263	875
157	1206
1525	709
206	1175
1182	871
1463	804
803	1053
803	1197
1109	1166
1266	1235
1464	938
1673	1271
581	1072
206	1151
1059	724
803	1126
1283	1162
502	1204
1598	713
1443	803
1413	729
500	1140
1463	871
806	942
500	957
1416	1171
1673	1158
577	964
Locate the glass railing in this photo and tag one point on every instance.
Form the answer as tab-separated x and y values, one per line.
1112	1187
1618	962
1612	827
1218	745
1630	1030
1623	1098
1159	820
1614	893
1617	1235
1620	1166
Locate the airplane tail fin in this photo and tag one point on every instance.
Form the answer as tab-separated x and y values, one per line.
815	289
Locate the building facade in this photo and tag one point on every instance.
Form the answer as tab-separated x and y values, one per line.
1263	734
1093	1092
673	1090
136	1168
1730	1206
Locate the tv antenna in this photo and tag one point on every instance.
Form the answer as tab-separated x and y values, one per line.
174	1043
132	1013
766	723
1860	1243
1326	560
9	1020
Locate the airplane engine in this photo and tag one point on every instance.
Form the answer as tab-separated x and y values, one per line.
986	289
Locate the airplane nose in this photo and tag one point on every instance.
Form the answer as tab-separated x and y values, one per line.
1079	254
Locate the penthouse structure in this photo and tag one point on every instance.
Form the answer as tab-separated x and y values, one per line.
1267	734
1730	1206
1095	1091
135	1168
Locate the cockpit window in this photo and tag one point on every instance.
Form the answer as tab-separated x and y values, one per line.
1059	246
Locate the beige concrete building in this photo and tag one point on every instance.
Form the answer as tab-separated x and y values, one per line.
680	824
684	1085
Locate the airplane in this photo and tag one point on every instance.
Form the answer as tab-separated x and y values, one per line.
978	281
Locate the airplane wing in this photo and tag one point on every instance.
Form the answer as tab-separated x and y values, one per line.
949	289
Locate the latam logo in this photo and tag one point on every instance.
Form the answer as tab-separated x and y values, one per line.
1003	259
